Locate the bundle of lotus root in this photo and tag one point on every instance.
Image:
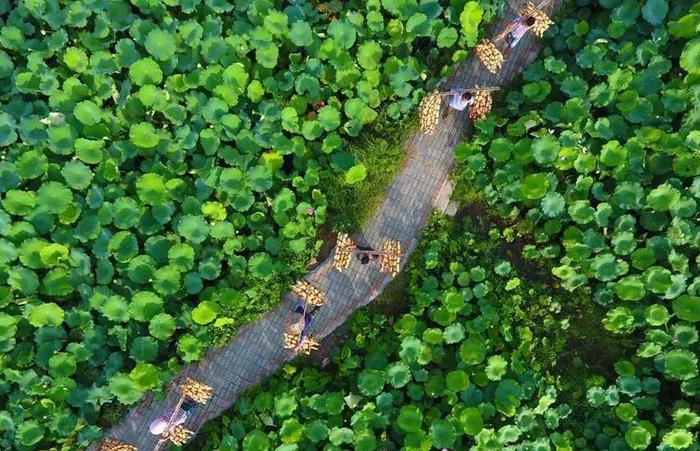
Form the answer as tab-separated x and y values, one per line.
490	56
110	444
308	293
195	390
481	106
390	259
290	340
343	250
310	344
429	112
542	20
178	435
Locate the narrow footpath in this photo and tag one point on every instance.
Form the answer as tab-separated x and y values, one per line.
421	186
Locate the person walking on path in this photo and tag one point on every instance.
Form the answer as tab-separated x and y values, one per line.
365	254
516	30
459	101
158	426
304	322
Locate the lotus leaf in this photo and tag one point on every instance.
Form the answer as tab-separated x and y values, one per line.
115	309
535	186
160	44
663	197
687	308
690	56
398	374
145	305
453	333
356	174
145	71
619	320
658	279
443	433
471	421
29	433
161	326
473	351
121	386
193	228
685	418
457	381
87	112
553	204
57	282
545	150
19	203
143	135
410	418
190	348
8	326
678	438
151	189
630	288
205	312
508	394
410	349
291	431
638	437
606	268
54	197
680	364
470	18
47	314
144	376
656	315
316	431
77	175
300	34
496	367
62	364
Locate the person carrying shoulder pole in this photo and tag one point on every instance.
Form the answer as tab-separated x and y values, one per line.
459	101
158	426
519	28
365	254
306	318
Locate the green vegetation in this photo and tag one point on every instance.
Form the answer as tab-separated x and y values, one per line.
166	166
477	343
380	154
160	181
562	315
597	157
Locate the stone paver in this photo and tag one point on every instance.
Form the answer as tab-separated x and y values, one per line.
256	352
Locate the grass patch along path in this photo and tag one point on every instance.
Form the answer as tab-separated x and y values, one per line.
383	154
256	352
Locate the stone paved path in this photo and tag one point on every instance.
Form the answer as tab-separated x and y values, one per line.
256	352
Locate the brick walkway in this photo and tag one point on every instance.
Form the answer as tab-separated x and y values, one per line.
256	352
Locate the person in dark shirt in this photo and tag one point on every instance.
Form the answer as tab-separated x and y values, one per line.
365	256
307	318
302	326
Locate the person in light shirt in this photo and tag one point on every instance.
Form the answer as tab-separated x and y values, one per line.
519	27
157	426
459	101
